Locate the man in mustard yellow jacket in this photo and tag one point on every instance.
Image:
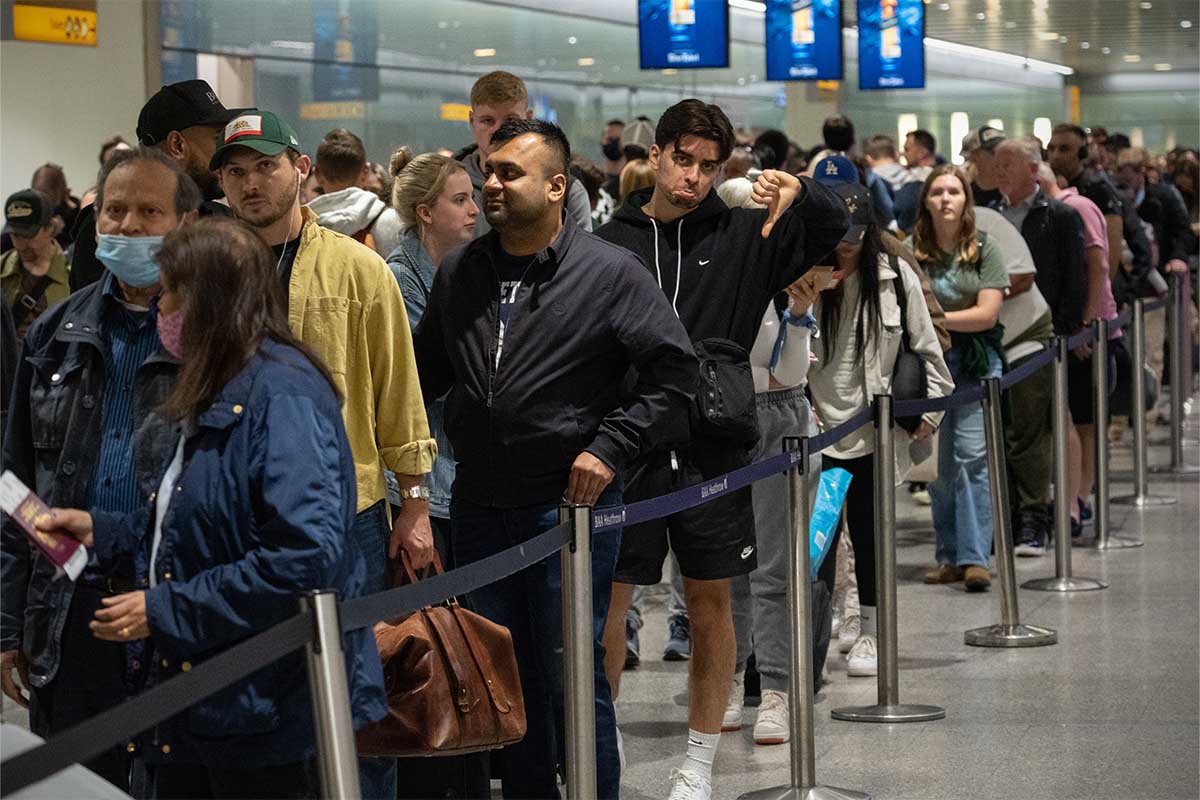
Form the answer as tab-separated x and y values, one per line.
343	302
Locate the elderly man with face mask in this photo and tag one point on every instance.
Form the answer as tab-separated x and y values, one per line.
82	433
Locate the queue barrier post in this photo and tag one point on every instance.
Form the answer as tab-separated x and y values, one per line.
579	667
801	707
1181	380
1141	497
1104	540
888	708
330	691
1010	632
1063	580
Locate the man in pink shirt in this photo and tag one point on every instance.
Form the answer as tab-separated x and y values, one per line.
1100	305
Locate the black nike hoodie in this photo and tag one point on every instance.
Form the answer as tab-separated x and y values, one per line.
713	264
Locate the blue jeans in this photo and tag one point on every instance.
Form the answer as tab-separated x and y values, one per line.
529	604
376	776
962	505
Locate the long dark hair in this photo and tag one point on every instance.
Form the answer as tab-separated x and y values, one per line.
231	300
866	315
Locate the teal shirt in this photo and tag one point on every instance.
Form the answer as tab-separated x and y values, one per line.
957	284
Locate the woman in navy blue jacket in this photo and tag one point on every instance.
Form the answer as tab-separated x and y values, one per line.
254	509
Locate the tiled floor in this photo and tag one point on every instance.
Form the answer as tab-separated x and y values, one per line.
1111	711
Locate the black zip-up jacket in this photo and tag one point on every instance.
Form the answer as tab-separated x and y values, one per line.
585	314
1054	232
715	267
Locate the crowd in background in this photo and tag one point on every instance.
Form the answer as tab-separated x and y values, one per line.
241	366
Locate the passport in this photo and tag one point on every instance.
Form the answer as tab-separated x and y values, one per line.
27	509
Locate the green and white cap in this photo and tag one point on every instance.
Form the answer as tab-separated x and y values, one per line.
258	130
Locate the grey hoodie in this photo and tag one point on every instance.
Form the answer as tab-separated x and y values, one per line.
579	208
351	210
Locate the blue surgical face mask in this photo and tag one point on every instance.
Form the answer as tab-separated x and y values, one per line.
133	259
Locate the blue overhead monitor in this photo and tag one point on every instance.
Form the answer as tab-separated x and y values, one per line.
683	34
804	40
891	44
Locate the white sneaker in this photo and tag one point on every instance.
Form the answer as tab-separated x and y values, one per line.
621	749
835	625
732	721
772	726
863	661
688	785
851	629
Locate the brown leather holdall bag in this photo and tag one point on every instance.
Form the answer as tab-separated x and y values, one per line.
451	681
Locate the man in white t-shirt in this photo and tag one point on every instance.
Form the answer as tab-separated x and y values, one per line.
1028	330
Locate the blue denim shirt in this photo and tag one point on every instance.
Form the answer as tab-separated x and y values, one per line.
414	270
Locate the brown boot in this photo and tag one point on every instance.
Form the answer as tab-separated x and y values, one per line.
944	573
977	579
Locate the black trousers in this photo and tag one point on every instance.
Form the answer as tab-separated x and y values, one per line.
859	509
297	781
90	679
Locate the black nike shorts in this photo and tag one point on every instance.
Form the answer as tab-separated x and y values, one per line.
711	541
1081	387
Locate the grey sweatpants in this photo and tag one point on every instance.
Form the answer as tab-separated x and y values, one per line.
760	599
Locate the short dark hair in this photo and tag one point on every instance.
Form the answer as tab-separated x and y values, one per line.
187	193
1071	128
925	139
694	117
838	133
615	122
771	148
110	143
550	134
1117	142
880	146
587	173
341	156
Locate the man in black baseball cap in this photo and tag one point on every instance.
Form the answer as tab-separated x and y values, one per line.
184	121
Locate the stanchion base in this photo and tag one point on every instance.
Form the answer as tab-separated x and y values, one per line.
1181	471
902	712
1145	501
1064	585
1115	543
811	793
1010	636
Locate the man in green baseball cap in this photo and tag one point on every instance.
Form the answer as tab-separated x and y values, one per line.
344	304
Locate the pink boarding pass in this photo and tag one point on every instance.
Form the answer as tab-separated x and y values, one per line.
26	508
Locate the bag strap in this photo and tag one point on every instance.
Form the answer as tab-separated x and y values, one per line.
405	563
901	300
24	304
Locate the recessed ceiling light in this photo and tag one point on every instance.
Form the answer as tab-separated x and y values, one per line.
1145	6
1085	45
1185	23
1106	50
943	6
442	25
1062	40
586	62
1131	58
1048	36
571	40
670	71
1010	24
484	52
1162	67
981	16
741	81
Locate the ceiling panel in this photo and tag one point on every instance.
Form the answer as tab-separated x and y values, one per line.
1137	34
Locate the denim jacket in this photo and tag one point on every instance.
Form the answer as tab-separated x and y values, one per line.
52	443
414	270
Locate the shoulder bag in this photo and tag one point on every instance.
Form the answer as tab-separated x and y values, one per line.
909	381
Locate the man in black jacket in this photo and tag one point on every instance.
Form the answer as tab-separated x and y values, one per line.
720	267
533	329
1054	232
183	121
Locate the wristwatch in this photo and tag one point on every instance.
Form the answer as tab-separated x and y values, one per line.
414	493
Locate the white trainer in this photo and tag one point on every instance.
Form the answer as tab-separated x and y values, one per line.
848	635
732	721
863	660
835	625
772	726
688	785
621	749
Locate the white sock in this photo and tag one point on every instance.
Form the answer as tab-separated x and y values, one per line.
869	620
701	750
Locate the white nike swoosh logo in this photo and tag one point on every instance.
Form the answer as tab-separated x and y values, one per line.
746	553
702	263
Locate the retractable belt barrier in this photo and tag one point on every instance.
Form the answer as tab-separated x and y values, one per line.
173	696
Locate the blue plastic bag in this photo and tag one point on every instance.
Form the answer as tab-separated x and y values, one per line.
830	495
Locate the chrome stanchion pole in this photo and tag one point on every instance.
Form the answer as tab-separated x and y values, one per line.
1141	497
337	756
1062	581
1104	540
1181	383
1010	632
803	785
579	684
888	708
